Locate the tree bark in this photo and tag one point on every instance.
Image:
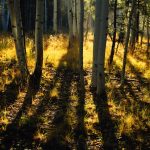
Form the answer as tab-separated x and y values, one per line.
55	15
5	16
143	27
17	30
70	20
36	76
101	48
135	27
81	37
74	10
127	42
148	38
114	35
96	43
45	27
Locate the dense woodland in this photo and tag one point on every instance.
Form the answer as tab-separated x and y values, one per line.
74	74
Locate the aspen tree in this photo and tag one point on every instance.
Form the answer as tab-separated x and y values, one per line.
127	42
17	30
102	46
55	15
36	76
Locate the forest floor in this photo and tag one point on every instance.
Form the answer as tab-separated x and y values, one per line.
60	116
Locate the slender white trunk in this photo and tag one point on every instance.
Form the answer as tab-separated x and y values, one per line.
78	6
35	78
127	43
45	16
148	37
5	16
81	33
17	29
70	19
143	28
101	48
96	43
55	15
39	35
74	17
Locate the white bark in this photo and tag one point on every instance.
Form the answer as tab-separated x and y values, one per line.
17	30
101	48
81	33
45	16
96	42
55	15
5	16
127	43
78	10
74	17
39	35
70	18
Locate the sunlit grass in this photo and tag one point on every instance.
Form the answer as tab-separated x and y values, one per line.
23	120
3	123
3	120
54	93
127	124
55	49
91	118
140	66
40	136
56	55
146	96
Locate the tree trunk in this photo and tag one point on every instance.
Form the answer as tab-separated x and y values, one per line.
70	20
17	29
36	76
143	27
148	38
74	10
127	42
78	9
45	27
81	37
96	43
135	27
55	15
5	16
114	35
87	26
101	48
137	21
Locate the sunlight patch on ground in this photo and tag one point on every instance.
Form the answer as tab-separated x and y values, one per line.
129	124
54	93
3	120
39	136
91	117
127	112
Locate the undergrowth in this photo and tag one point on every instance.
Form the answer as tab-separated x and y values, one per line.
58	112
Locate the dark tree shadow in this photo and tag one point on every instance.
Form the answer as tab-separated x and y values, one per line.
143	81
10	94
135	96
106	124
66	75
138	103
131	98
13	128
57	138
80	131
25	133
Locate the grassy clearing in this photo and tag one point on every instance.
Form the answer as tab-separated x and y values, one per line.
58	112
